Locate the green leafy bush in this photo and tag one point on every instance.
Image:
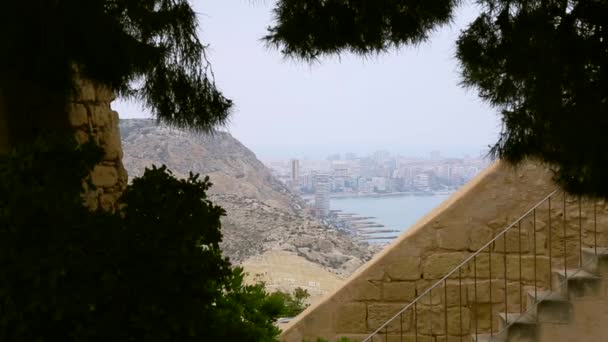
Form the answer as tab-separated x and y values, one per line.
294	303
152	271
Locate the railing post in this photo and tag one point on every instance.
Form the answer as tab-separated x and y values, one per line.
521	308
504	240
445	306
550	245
580	233
460	299
431	312
565	240
401	327
490	284
595	226
492	244
475	295
416	315
534	241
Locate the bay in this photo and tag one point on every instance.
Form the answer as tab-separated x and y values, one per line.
395	212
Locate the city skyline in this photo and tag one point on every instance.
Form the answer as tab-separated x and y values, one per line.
378	174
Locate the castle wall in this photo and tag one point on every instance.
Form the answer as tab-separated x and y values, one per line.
426	252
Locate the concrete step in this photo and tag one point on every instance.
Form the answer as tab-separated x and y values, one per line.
596	261
518	327
525	332
549	306
499	337
579	283
509	318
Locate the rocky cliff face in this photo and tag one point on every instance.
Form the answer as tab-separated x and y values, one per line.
232	167
262	214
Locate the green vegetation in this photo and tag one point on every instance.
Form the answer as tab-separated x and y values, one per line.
147	51
294	303
540	63
153	271
343	339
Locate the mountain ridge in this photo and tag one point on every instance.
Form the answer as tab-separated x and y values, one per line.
264	218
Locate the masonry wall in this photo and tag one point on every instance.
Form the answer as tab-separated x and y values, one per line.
92	118
435	245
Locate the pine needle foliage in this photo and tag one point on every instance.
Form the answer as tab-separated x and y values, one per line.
543	64
152	271
146	50
313	28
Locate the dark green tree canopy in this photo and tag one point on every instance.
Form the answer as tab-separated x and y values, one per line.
543	64
312	28
146	50
152	271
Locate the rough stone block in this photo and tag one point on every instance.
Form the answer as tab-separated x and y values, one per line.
111	144
351	318
399	291
78	115
436	317
452	290
436	266
378	314
404	268
531	269
455	238
514	242
104	176
480	266
479	237
101	116
366	291
480	291
85	91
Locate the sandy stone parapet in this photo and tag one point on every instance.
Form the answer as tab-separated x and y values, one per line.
440	241
92	118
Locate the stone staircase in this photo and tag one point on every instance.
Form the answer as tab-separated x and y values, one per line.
576	310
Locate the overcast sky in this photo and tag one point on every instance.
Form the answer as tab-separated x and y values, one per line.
408	101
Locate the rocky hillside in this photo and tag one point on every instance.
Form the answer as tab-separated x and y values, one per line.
253	227
263	215
232	167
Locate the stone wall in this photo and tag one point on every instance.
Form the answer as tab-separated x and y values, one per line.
442	240
92	117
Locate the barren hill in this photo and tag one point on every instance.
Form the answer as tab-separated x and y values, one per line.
266	228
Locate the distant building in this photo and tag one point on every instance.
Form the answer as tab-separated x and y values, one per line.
295	176
322	189
421	181
295	170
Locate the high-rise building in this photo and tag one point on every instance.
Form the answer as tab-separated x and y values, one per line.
295	170
322	188
295	181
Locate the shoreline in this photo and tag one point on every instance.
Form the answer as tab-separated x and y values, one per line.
380	195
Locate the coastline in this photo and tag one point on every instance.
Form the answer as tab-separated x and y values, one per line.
379	195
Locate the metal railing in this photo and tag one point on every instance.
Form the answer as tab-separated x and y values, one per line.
468	300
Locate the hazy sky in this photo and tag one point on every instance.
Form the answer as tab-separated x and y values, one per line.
408	101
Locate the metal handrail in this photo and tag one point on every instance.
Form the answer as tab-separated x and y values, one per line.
467	260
